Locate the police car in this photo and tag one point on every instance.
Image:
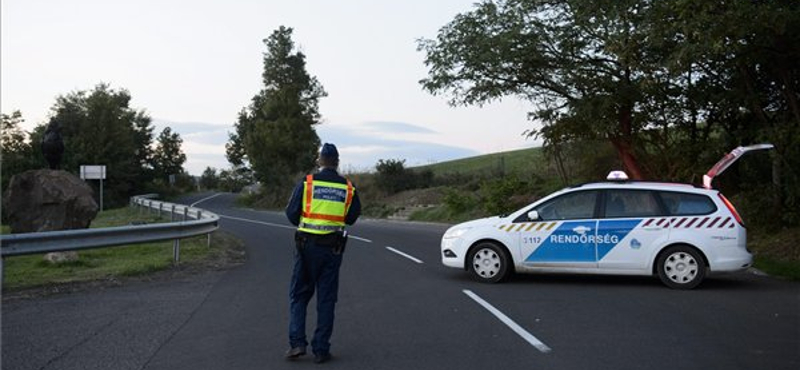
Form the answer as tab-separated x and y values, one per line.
678	232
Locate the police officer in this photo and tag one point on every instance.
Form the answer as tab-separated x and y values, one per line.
320	207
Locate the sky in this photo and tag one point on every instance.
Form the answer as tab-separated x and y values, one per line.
193	65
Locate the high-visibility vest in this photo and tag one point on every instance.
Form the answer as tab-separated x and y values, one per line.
325	205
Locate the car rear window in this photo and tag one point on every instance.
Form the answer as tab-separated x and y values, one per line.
685	204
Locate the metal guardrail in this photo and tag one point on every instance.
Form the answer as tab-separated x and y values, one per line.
192	222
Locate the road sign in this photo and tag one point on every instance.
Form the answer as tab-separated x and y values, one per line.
95	172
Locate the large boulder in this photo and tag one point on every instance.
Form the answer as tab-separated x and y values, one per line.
48	200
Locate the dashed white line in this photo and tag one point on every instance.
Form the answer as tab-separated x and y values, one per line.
205	199
417	260
510	323
360	239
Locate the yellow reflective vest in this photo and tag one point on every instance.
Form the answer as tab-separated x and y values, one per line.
325	205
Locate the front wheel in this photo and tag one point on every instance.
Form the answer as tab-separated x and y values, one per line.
681	267
489	263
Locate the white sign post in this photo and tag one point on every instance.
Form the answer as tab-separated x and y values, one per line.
95	173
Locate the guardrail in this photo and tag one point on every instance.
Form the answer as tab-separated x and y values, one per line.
186	222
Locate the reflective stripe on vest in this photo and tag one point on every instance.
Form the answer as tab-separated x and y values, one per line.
305	225
325	205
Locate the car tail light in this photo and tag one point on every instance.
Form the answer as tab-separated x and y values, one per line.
732	209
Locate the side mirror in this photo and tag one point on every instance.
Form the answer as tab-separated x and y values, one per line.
533	215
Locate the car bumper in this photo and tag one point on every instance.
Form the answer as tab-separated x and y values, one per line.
732	262
452	253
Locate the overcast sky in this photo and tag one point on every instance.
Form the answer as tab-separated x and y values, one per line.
193	65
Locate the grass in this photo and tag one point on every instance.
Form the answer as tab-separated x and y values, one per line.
777	253
21	272
511	162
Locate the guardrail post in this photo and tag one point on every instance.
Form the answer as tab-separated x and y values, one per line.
172	213
160	205
176	252
208	242
185	213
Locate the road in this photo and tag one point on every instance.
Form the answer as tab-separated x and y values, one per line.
399	308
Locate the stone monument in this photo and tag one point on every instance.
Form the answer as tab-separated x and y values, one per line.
49	199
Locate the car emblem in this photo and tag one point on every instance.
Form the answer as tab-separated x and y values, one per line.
582	229
635	244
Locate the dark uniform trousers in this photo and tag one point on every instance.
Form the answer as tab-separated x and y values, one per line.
316	267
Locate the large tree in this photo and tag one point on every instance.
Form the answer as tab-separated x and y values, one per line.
579	61
168	157
100	128
275	133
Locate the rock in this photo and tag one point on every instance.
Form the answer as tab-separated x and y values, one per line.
60	257
48	200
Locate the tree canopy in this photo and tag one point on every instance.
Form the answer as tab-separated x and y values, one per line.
670	84
168	157
618	69
100	128
275	134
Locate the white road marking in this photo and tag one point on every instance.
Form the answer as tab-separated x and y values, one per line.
510	323
281	226
205	199
360	238
404	254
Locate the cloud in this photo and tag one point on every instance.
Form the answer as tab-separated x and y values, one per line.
360	145
396	127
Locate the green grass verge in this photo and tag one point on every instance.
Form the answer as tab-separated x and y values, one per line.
777	253
789	270
21	272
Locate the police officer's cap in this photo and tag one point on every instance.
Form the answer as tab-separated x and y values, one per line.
329	151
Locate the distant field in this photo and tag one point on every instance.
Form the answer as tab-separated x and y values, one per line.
511	162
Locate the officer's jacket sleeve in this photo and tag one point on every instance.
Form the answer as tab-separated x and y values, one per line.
295	207
355	210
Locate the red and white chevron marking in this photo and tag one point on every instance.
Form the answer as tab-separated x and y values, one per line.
692	222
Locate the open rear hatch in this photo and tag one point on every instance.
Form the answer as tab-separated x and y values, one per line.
728	160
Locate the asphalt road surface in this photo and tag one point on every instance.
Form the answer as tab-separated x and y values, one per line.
399	308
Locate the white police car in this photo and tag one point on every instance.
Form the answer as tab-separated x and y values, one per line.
676	231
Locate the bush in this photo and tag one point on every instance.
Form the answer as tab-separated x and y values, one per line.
457	202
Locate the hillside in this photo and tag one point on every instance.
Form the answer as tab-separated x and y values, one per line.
510	162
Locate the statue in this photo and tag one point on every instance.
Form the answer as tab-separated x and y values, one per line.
49	199
53	145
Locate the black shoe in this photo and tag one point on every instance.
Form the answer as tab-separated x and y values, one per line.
322	358
295	352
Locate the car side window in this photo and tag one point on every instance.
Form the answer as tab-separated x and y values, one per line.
685	204
571	206
631	203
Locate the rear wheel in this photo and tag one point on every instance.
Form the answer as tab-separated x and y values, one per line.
681	267
489	262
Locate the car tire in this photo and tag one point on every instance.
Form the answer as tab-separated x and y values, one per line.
489	262
681	267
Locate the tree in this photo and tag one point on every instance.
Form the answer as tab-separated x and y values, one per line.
738	62
100	128
579	61
16	153
209	179
168	157
275	133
